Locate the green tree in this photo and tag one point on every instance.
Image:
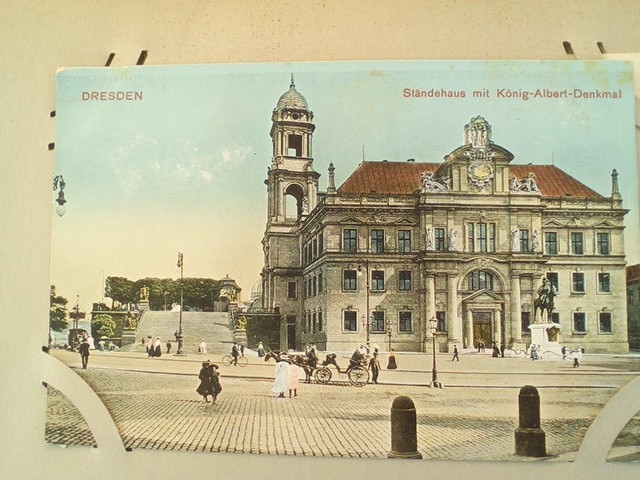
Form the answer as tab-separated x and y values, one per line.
103	325
76	314
119	289
200	293
57	311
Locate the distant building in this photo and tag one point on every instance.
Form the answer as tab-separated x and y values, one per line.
633	305
466	241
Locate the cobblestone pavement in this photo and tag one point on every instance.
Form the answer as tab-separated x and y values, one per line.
161	410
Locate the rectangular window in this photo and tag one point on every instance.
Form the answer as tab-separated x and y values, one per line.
315	248
579	322
525	320
555	317
314	322
292	290
604	283
320	325
441	319
350	240
320	243
604	322
603	243
524	241
377	321
440	238
577	243
482	237
350	280
314	286
404	280
405	323
309	287
377	241
551	243
404	241
577	282
320	282
350	321
553	280
308	326
377	280
304	254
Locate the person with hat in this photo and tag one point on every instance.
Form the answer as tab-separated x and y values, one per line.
83	348
206	387
215	382
282	375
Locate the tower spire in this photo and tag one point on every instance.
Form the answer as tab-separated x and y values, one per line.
293	85
616	198
331	188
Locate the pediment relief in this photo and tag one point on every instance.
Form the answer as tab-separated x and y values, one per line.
604	224
404	221
350	221
553	224
483	296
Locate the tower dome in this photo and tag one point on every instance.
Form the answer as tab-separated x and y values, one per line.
292	99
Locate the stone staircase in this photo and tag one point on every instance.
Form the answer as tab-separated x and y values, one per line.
212	327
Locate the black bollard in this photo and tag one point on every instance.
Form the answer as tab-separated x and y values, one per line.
404	435
530	438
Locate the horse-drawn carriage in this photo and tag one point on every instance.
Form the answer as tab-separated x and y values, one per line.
356	372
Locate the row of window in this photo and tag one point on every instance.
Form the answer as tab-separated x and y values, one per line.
377	280
314	322
578	322
578	284
377	241
481	237
576	243
377	321
312	249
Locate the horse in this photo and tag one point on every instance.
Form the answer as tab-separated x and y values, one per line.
298	359
546	305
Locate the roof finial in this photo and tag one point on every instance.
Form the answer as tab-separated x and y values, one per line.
616	198
293	85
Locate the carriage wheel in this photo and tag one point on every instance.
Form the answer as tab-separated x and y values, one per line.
323	375
358	376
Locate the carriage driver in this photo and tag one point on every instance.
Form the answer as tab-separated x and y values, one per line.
358	356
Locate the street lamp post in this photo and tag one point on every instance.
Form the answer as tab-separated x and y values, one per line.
434	373
58	182
179	338
367	319
389	332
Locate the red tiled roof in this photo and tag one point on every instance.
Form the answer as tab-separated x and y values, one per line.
403	178
633	273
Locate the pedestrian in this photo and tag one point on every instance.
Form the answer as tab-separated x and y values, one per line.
235	352
242	350
83	348
151	347
202	349
158	347
564	352
455	354
215	382
294	375
577	356
282	375
205	388
374	366
502	350
391	364
168	346
534	352
496	350
260	349
481	347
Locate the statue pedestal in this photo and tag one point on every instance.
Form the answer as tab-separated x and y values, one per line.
143	305
240	337
541	333
128	337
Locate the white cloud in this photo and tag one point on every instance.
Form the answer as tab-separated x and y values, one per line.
235	155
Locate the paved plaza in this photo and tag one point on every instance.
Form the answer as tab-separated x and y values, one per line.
154	405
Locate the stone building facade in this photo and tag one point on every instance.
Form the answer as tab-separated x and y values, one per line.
633	305
466	241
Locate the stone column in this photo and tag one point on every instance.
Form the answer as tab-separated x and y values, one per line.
430	301
498	327
516	310
455	323
469	328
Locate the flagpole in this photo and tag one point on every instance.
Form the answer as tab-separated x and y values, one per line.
179	337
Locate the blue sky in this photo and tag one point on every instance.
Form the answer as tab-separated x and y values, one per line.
184	168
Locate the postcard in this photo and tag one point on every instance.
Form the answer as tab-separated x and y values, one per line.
409	260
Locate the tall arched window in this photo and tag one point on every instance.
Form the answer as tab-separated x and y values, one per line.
480	280
293	196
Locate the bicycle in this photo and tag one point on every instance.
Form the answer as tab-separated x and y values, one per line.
227	360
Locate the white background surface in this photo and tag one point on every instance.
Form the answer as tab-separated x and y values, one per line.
37	37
